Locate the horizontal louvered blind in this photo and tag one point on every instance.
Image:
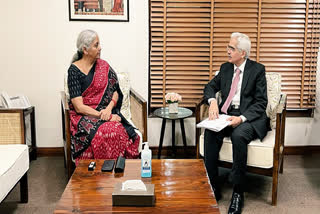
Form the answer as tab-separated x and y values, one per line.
233	16
189	39
282	44
312	48
180	49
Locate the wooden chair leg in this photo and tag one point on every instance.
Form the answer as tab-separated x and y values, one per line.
275	175
281	165
24	188
70	168
64	161
197	142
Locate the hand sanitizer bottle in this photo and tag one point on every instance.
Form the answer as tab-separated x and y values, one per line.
146	156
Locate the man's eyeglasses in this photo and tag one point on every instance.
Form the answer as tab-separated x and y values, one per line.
230	48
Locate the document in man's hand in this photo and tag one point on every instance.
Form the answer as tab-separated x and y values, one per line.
215	125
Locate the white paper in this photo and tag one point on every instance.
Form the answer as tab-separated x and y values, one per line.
133	185
215	125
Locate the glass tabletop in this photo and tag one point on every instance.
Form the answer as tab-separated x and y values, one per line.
164	113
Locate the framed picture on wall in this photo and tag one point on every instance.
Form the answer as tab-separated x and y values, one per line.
99	10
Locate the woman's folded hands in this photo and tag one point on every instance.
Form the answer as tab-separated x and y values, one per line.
115	117
105	114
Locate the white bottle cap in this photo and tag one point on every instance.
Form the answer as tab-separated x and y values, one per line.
146	146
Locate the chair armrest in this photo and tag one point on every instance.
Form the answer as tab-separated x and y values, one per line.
201	111
26	111
200	102
64	101
65	113
280	131
138	109
282	103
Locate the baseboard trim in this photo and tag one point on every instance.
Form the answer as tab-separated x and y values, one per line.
50	151
301	150
288	150
59	151
180	153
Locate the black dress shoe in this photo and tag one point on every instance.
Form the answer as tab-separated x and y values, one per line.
236	203
217	194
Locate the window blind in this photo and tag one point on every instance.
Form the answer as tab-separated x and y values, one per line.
189	39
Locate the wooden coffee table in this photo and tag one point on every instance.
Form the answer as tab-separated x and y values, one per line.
181	186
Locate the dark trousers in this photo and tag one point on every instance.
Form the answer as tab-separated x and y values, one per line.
241	136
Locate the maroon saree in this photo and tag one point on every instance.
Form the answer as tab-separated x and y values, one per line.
92	138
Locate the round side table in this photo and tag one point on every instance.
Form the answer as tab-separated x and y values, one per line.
164	114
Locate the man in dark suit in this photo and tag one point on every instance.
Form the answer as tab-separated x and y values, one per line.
243	88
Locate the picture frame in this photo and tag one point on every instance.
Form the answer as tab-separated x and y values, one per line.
99	10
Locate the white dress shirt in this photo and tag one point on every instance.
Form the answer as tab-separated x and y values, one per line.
236	98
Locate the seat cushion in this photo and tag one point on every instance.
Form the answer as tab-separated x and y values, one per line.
14	163
260	154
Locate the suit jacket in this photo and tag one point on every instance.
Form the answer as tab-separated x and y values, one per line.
253	97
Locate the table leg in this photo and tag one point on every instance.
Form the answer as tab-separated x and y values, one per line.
24	188
33	134
173	137
183	136
163	128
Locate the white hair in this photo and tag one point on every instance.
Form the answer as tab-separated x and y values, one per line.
244	43
84	40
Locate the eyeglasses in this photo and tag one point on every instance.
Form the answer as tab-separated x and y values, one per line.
230	48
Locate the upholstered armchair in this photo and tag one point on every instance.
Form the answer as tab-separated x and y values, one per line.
134	109
266	157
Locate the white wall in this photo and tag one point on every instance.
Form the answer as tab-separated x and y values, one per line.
38	41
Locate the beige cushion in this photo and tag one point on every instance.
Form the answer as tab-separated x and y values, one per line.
260	154
124	82
274	94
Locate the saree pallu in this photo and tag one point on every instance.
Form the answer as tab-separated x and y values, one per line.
92	138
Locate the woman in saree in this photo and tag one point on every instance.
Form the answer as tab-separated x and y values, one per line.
98	129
